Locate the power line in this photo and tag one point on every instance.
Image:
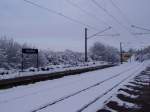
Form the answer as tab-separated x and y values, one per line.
141	33
99	32
141	28
116	20
99	6
86	12
122	14
120	11
110	35
128	21
59	13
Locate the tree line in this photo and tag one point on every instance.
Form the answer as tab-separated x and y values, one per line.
143	54
10	55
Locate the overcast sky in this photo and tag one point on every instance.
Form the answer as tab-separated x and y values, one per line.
29	24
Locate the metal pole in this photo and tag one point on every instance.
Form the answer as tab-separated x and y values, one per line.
85	44
37	61
121	53
141	55
22	62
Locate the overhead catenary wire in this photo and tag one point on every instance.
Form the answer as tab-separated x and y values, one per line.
86	12
110	15
128	21
113	17
60	14
110	35
141	33
99	33
121	12
141	28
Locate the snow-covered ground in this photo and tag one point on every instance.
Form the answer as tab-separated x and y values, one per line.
7	74
70	93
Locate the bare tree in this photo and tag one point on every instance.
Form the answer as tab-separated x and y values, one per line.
101	52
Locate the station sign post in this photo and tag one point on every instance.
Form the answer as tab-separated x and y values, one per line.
29	51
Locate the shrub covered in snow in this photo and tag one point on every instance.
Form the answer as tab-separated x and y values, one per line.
143	54
10	56
100	52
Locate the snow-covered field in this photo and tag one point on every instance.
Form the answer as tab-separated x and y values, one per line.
7	74
84	92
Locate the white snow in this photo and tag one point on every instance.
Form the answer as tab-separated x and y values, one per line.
126	94
31	97
52	69
123	103
111	110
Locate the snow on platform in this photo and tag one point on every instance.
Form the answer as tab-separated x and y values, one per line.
10	74
42	95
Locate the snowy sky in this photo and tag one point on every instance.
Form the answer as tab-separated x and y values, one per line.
27	23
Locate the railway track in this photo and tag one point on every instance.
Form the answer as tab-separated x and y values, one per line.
70	94
109	90
134	92
87	89
44	89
